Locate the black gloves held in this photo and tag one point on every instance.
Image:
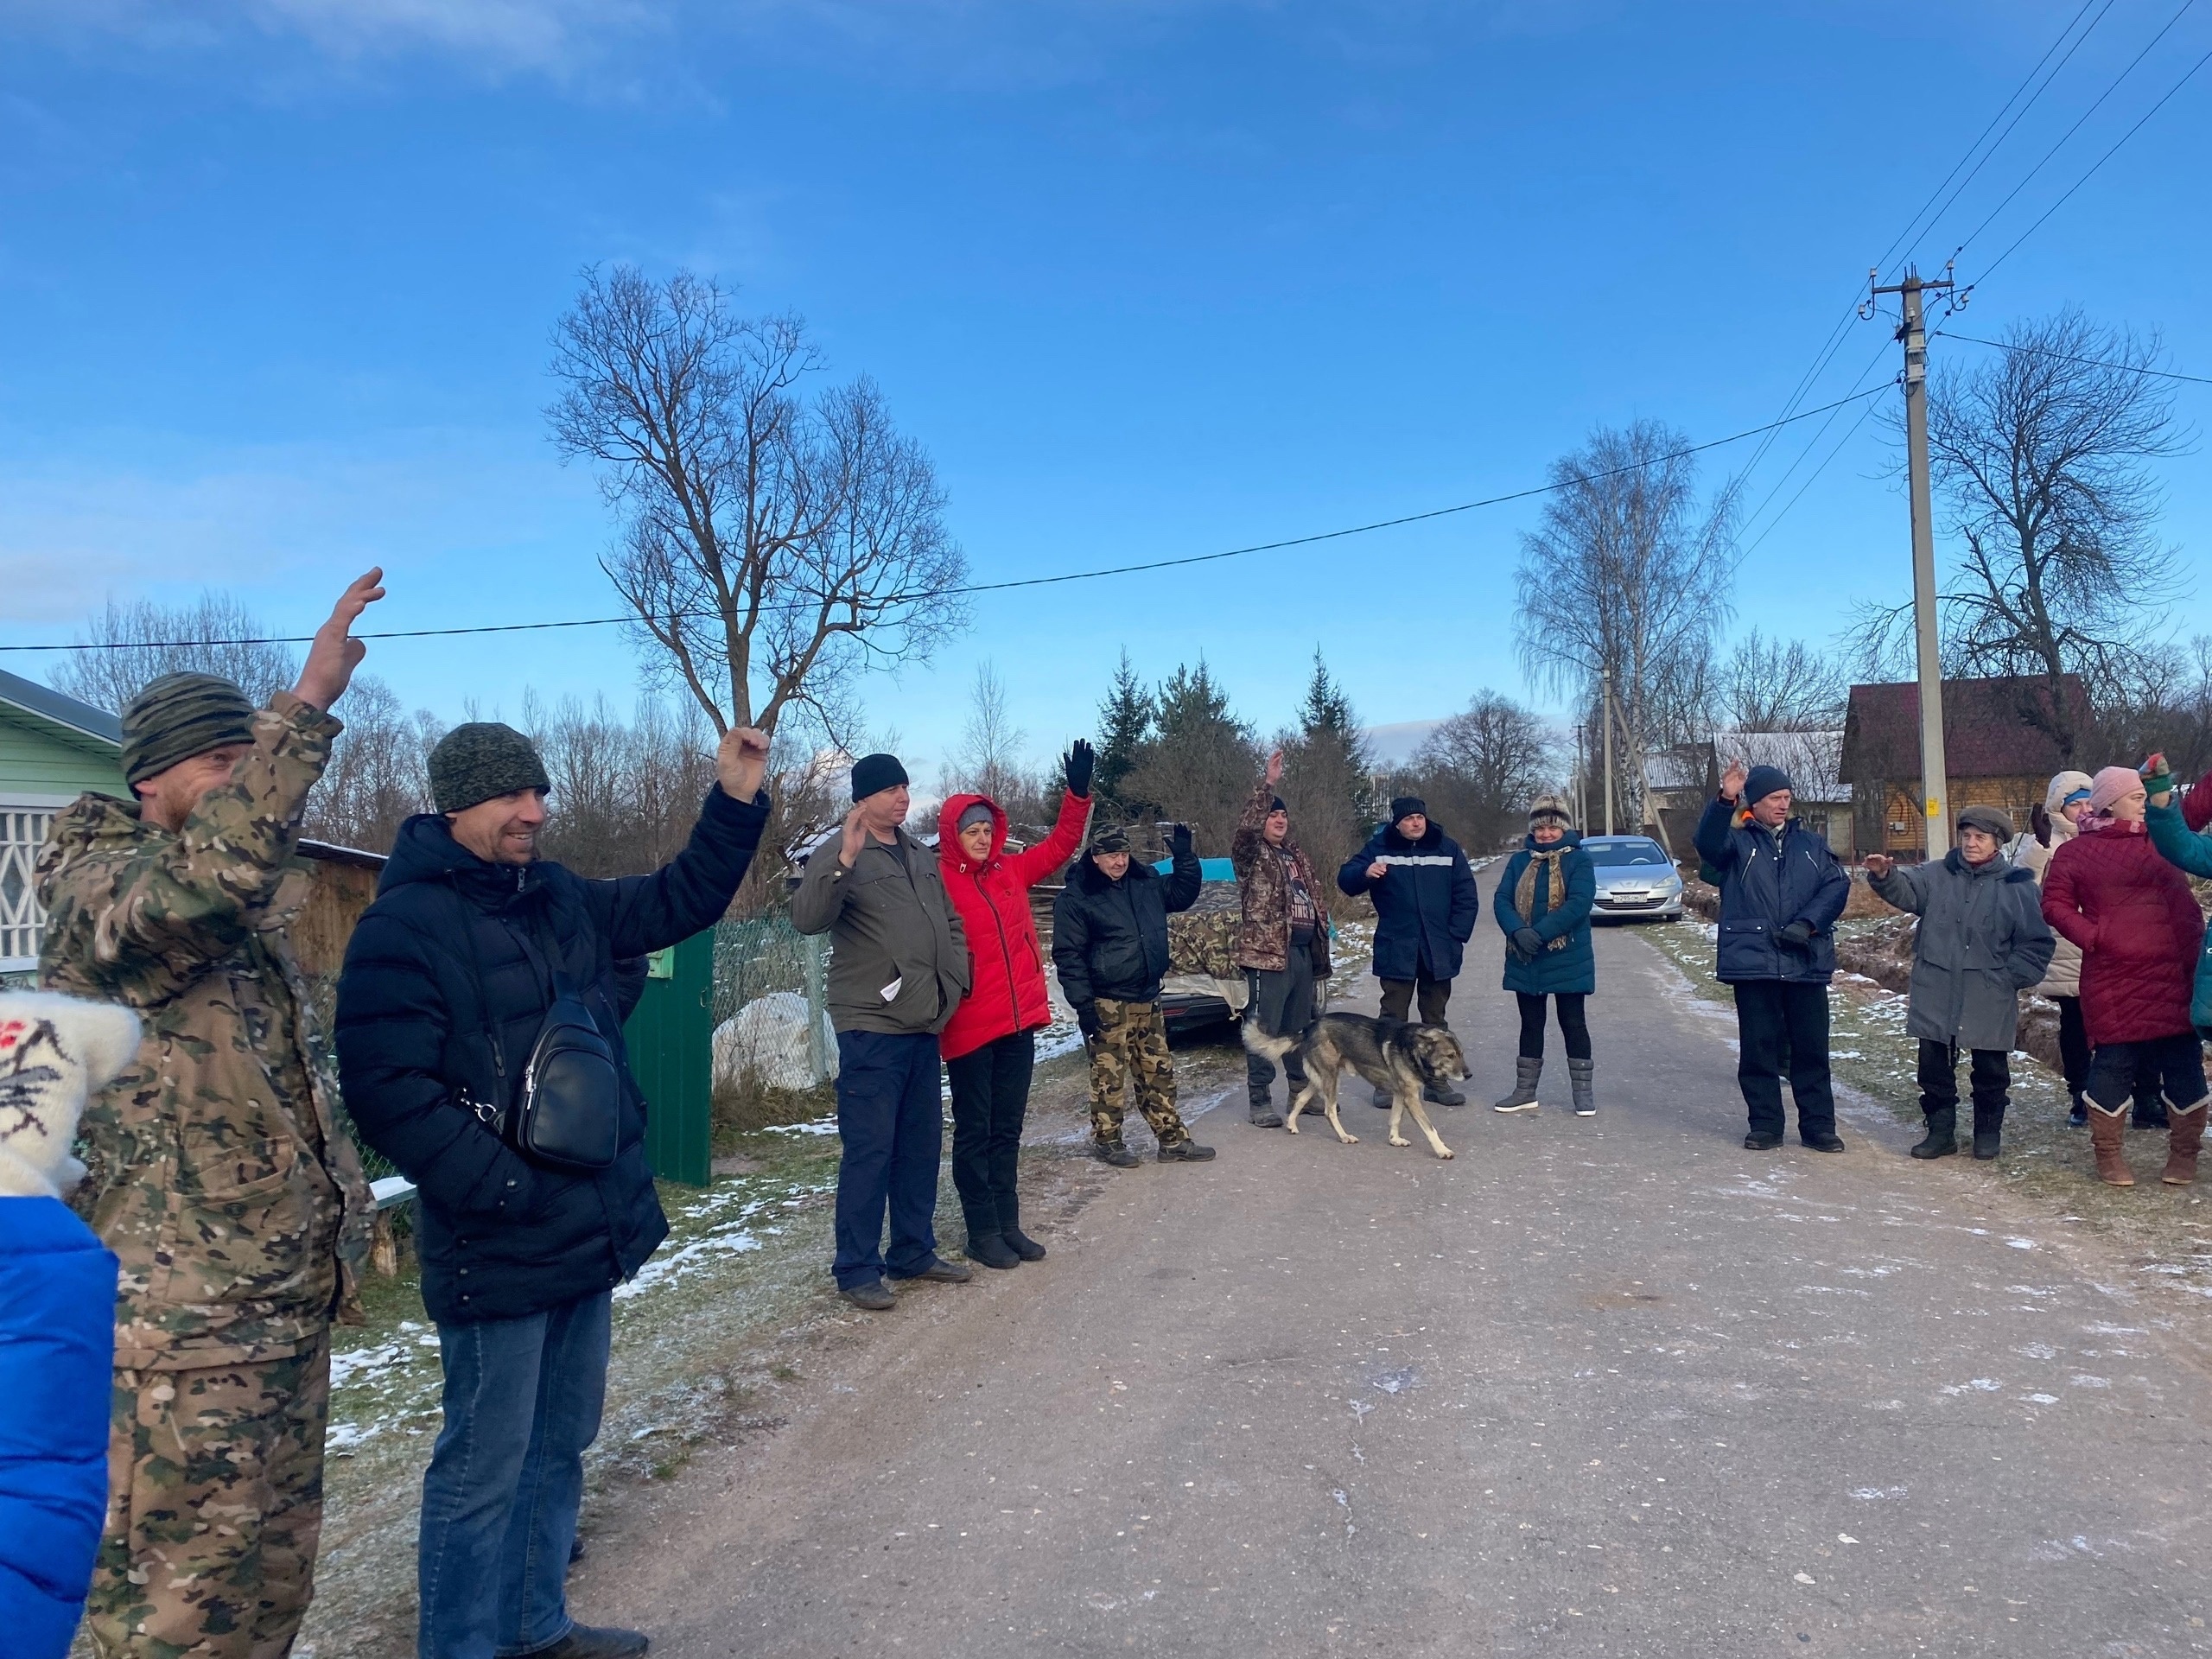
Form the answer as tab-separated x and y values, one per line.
1078	765
1798	934
2039	821
1528	943
1086	1019
1178	841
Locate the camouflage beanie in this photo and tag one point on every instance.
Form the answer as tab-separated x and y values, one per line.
475	762
180	715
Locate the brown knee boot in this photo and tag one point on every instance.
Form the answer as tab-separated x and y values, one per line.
2184	1130
2108	1138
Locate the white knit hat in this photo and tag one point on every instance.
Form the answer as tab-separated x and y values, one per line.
54	1052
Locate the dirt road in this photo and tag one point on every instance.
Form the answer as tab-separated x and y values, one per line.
1597	1386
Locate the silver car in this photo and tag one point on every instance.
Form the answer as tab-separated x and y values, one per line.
1635	879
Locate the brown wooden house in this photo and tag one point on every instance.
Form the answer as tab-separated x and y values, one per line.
1999	749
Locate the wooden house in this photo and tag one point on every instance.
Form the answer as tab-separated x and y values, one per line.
1998	750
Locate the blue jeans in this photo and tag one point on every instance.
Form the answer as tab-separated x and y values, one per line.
521	1401
891	1119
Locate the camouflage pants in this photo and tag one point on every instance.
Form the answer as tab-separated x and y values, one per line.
1131	1048
214	1509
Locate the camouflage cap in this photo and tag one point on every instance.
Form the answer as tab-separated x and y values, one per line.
1111	838
476	761
180	715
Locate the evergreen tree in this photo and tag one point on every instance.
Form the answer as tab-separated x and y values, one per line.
1125	721
1326	709
1199	763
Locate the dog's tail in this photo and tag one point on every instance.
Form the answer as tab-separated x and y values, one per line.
1258	1042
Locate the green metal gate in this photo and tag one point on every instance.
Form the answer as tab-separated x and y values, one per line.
671	1038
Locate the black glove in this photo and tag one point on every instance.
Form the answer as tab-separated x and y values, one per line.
1528	943
2039	821
1796	934
1086	1019
1178	841
1078	764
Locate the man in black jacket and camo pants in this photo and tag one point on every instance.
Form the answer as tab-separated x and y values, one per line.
1109	942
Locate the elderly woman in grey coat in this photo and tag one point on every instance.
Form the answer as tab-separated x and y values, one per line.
1982	940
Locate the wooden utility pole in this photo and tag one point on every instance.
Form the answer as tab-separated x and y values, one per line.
1935	784
1605	724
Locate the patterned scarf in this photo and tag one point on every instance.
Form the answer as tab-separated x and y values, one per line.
1524	890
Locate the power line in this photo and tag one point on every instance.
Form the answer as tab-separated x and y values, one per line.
1005	586
1842	442
1811	444
2069	356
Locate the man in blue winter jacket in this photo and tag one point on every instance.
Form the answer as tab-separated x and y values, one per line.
1781	891
1426	907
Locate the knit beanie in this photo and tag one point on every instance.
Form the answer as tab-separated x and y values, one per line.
180	715
976	812
2109	785
1549	809
1112	839
1989	820
1275	804
55	1053
475	762
873	773
1404	806
1761	782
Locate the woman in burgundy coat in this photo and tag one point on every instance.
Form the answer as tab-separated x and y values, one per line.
2140	931
990	1045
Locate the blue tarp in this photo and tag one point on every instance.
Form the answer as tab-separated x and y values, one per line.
1210	869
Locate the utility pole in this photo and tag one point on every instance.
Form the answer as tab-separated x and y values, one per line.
1581	779
1935	784
1605	720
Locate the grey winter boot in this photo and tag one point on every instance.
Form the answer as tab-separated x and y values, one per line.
1582	1078
1524	1097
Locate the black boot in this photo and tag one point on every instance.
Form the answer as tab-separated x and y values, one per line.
583	1642
2150	1112
1010	1229
1264	1116
1988	1127
1943	1139
1113	1152
2078	1116
992	1250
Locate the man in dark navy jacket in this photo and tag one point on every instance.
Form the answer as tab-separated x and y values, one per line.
1426	907
447	981
1781	891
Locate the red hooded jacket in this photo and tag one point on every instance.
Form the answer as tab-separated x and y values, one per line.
1007	992
2138	927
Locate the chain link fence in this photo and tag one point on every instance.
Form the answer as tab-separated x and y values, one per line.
772	1021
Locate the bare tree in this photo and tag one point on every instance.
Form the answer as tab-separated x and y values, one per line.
379	774
1628	574
990	760
2041	459
1478	770
771	545
1773	685
126	646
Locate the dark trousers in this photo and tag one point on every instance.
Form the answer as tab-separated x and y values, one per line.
1574	1027
1989	1077
1775	1020
1398	995
1282	1002
891	1119
522	1403
2173	1066
990	1096
2072	1043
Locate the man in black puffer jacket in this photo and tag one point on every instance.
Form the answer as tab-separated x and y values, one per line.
1426	907
1109	942
447	981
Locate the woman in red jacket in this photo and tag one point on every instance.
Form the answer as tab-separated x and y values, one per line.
990	1046
2141	932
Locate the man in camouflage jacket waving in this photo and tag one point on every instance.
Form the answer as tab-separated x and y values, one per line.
219	1174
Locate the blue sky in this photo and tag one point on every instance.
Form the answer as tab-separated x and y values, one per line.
277	278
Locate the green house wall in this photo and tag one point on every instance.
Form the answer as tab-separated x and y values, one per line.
36	760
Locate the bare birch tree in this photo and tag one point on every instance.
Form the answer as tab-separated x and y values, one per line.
990	760
1479	770
1776	685
773	543
1628	574
126	646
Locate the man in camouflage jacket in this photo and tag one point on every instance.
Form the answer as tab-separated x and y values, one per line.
219	1174
1282	942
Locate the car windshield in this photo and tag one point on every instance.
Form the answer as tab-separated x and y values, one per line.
1625	852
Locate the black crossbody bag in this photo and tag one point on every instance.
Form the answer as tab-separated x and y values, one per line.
567	1111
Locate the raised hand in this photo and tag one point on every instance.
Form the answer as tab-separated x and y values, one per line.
2039	824
1078	766
335	653
1880	865
2157	779
741	762
1732	781
1274	769
856	837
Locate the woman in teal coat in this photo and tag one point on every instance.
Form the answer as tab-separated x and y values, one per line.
1542	907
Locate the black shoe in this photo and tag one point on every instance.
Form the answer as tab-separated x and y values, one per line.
1759	1140
2150	1114
583	1642
1829	1143
875	1296
945	1272
575	1549
1265	1118
2078	1116
1114	1152
992	1250
1443	1094
1185	1151
1022	1245
1382	1099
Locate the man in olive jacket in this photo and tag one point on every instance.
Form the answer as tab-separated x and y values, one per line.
898	966
1982	941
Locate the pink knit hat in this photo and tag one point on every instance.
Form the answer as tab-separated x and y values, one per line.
2109	785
